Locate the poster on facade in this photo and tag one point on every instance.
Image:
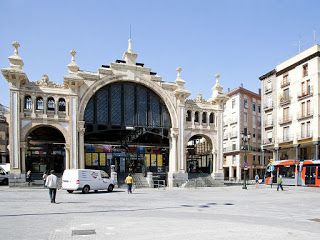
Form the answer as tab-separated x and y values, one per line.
159	163
147	157
102	159
99	148
95	159
88	159
153	160
89	148
156	150
141	150
149	150
107	148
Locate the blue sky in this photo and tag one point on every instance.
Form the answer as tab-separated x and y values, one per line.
240	40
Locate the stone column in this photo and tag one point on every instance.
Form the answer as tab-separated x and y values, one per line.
277	149
230	172
67	160
81	147
263	178
45	105
173	161
316	152
56	106
34	105
23	146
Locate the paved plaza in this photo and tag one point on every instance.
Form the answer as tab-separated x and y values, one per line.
203	213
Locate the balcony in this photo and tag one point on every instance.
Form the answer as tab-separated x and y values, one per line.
285	139
305	94
268	123
304	115
285	101
232	149
285	119
268	106
268	141
285	83
268	89
233	134
233	121
225	136
304	135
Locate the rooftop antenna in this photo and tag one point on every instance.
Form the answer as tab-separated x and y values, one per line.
315	37
299	44
130	32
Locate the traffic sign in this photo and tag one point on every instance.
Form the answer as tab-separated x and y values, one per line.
271	168
271	161
246	166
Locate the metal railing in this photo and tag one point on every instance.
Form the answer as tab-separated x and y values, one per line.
285	119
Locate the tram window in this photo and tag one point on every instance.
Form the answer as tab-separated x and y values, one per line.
287	171
318	172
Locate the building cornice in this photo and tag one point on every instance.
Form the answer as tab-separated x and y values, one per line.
243	91
272	72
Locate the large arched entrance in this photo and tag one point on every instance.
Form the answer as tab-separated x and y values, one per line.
199	155
45	150
127	125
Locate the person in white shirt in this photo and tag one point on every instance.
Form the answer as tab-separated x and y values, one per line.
52	183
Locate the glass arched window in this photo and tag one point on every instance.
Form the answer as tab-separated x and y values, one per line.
211	118
51	104
204	117
28	103
188	117
39	103
62	105
196	117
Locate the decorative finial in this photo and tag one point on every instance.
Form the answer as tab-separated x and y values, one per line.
130	46
16	45
73	67
73	53
217	78
178	70
15	59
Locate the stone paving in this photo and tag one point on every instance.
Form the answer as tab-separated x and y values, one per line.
203	213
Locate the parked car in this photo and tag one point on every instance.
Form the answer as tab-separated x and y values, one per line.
4	176
86	180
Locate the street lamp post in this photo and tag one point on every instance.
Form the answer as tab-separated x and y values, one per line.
245	137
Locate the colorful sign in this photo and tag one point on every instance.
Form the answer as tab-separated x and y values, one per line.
102	159
141	149
149	149
94	174
88	159
147	157
89	148
99	148
160	163
153	160
95	159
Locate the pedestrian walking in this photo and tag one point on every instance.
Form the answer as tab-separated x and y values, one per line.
129	182
52	183
257	180
29	179
44	178
279	183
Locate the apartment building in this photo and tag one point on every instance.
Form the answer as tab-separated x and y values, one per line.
4	134
242	113
290	112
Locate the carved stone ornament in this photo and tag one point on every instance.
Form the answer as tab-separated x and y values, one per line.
44	82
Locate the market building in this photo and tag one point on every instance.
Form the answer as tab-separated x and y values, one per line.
122	117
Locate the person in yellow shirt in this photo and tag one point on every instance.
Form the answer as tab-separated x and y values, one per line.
129	182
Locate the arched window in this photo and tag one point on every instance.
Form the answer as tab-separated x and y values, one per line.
211	118
188	117
51	104
62	105
204	117
39	103
28	103
196	117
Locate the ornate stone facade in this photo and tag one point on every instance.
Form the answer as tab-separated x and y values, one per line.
46	104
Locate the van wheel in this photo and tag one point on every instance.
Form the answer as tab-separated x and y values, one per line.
70	191
110	188
86	189
5	181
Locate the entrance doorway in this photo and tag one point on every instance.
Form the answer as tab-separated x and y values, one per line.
45	150
127	125
199	155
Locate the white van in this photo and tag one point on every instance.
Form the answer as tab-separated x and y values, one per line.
86	180
4	176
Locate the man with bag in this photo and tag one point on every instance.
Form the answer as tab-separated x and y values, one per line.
52	183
